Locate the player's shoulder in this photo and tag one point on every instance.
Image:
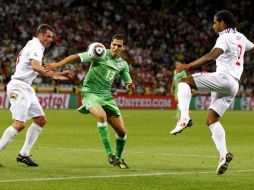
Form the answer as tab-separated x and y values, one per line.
121	59
34	44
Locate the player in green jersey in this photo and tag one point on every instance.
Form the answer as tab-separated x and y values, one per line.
96	94
174	86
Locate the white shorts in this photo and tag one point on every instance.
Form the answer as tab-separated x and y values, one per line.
222	86
24	103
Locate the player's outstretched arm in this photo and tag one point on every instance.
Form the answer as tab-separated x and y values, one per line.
51	73
211	56
67	60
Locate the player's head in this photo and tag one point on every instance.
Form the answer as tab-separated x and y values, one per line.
45	34
223	19
117	45
177	63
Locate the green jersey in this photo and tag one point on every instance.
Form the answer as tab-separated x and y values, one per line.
102	73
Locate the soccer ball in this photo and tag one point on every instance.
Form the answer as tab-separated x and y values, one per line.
96	50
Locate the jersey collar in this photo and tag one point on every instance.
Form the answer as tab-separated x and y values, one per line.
228	30
110	55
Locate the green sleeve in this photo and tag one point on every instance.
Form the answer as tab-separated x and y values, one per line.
126	74
184	74
84	57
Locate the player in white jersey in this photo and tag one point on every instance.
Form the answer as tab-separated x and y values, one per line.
24	103
223	84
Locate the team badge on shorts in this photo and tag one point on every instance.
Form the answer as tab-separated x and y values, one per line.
14	96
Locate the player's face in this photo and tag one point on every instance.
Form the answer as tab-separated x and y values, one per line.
46	38
116	47
217	26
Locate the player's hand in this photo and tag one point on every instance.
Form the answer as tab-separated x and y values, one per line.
52	66
47	70
70	74
182	67
130	87
60	77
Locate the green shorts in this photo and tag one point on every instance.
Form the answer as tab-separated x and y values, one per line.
90	100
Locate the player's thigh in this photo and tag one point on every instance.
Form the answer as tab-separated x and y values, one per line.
117	123
35	109
19	101
217	82
99	113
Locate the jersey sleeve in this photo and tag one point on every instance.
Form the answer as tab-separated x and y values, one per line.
248	44
221	43
126	74
35	53
84	57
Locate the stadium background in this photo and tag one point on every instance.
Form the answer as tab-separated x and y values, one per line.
158	34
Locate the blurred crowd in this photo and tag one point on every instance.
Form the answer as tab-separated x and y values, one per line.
158	34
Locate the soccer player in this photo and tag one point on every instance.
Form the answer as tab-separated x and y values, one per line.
223	84
96	94
174	86
24	103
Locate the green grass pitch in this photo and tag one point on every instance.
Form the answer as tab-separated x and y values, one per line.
71	155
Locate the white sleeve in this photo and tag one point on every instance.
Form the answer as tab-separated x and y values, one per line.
248	44
221	43
35	53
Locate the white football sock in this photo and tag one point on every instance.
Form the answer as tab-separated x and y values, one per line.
184	98
218	136
31	136
7	137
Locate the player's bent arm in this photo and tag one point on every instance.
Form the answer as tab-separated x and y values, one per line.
40	69
172	88
211	56
252	50
46	72
67	60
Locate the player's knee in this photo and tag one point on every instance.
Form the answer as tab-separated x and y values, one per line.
122	133
210	121
19	125
102	118
41	121
190	81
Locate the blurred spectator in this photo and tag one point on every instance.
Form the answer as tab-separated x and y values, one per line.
158	32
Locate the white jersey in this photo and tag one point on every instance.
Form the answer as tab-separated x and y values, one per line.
234	44
24	71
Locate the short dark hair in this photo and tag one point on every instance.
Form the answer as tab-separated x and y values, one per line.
43	29
227	17
119	37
